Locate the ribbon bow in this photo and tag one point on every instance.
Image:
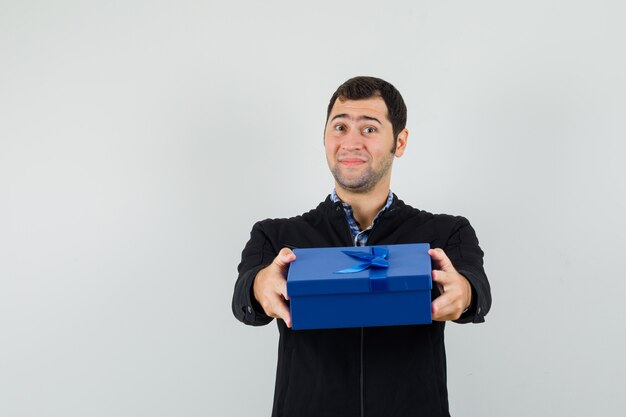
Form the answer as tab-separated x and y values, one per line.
376	259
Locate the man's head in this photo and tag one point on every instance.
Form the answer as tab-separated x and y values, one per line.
365	130
359	88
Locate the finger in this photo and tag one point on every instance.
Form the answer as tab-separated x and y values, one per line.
442	309
444	278
434	309
437	280
282	311
435	312
448	307
441	259
455	284
437	275
282	289
284	258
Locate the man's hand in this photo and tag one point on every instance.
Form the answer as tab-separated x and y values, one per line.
270	286
455	289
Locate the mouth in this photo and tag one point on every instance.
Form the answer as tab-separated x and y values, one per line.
351	162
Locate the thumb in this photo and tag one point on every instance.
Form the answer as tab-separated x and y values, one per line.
284	258
441	260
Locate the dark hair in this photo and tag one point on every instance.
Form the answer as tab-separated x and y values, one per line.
359	88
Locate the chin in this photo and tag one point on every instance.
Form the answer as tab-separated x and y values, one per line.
356	187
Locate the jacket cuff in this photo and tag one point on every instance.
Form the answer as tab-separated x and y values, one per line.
476	311
249	311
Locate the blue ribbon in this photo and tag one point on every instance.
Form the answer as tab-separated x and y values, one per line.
377	260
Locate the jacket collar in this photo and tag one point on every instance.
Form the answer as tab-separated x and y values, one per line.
329	206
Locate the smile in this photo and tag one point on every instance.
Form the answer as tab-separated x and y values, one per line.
351	162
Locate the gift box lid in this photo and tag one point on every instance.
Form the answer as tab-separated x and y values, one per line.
318	271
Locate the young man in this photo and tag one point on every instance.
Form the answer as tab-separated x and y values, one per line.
371	371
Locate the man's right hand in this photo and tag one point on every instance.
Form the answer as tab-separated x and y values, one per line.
270	286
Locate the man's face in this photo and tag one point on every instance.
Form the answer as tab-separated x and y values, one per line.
359	143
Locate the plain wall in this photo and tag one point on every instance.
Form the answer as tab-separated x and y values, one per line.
139	142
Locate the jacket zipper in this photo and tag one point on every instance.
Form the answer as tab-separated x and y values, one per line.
362	396
361	377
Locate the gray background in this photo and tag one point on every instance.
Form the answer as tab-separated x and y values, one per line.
139	142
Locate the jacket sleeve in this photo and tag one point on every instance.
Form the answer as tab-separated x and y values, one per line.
257	254
467	257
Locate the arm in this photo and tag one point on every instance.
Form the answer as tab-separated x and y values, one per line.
465	291
261	288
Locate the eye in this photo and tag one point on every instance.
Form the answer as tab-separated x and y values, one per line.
369	130
339	128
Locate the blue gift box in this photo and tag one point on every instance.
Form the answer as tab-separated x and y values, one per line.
360	286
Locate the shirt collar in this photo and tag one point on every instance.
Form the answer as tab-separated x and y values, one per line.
335	199
348	209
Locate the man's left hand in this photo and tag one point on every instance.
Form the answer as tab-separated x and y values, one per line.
455	289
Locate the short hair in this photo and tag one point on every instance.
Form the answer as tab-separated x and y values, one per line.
360	88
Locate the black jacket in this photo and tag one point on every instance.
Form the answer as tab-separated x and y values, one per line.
371	371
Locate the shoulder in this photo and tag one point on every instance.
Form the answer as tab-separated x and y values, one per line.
307	219
409	213
439	226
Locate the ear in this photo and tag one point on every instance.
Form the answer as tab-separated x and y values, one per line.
401	142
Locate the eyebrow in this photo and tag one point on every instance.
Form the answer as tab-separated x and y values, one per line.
364	117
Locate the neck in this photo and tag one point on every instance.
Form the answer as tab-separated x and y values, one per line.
365	206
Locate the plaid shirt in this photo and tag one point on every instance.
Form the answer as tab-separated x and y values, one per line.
359	236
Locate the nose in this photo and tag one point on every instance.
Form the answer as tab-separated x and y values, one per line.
352	140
